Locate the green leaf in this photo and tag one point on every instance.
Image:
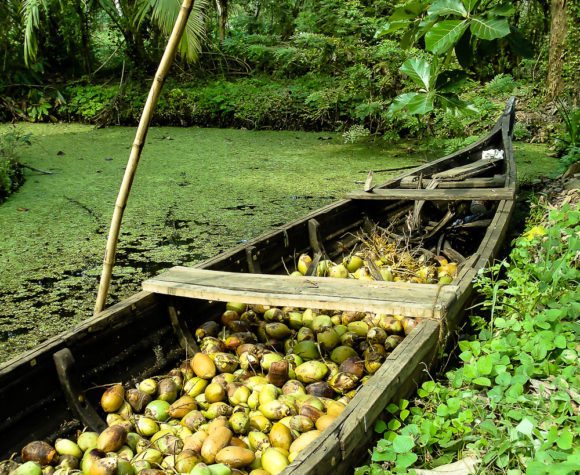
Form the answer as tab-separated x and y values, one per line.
399	103
565	440
394	424
482	381
380	427
526	426
490	29
470	371
392	408
560	341
418	70
404	414
447	7
403	444
406	460
484	365
452	104
444	35
421	103
503	379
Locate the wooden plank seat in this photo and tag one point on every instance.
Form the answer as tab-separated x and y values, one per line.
398	298
496	181
469	170
434	194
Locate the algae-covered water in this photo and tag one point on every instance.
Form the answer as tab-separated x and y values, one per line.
197	192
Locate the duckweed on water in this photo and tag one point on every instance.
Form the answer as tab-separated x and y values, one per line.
197	192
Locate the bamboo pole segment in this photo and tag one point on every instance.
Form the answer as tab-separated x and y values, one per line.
138	143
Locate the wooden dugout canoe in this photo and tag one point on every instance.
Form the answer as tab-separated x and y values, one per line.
49	392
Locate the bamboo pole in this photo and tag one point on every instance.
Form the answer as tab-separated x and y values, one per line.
138	143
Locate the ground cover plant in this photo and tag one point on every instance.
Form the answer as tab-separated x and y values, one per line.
511	404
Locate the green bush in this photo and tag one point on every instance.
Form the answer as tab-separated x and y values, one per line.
11	176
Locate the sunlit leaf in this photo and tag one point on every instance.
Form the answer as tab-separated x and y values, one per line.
421	104
403	444
443	36
447	7
399	103
418	70
490	29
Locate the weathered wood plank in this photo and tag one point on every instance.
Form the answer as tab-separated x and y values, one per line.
319	292
436	194
469	170
483	182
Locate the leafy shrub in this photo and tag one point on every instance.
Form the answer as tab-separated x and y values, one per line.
11	176
512	400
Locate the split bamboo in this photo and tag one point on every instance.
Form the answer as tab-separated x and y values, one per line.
135	155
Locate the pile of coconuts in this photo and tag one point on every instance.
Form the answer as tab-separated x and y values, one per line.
392	264
265	384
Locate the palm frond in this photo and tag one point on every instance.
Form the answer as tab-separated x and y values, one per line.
164	13
30	12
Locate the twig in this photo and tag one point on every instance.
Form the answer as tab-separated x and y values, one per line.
36	169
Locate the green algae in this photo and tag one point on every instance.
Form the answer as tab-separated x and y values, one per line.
197	192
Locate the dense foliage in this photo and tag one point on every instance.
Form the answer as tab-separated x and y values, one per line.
512	402
339	53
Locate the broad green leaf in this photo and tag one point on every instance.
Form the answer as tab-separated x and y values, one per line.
406	460
380	427
484	365
418	70
393	408
452	104
482	381
386	456
503	379
565	440
443	36
526	426
403	444
447	7
421	104
400	102
490	29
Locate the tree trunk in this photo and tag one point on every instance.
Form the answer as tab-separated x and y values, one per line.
558	29
222	6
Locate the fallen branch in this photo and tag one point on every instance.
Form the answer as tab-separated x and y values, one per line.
35	169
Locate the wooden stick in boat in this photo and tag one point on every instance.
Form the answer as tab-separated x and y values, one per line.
135	155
